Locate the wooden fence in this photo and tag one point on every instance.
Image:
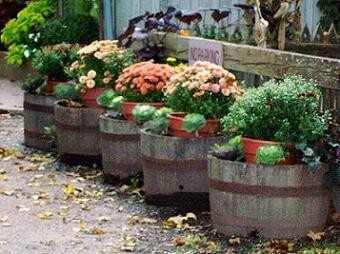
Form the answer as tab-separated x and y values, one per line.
273	64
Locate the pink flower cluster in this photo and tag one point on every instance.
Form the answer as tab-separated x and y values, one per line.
205	77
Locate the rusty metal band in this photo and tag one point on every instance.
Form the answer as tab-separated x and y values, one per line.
269	191
33	134
162	164
81	128
39	108
244	222
120	137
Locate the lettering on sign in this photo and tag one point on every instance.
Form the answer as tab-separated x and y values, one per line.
209	51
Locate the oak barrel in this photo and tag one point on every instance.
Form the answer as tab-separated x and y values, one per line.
175	169
38	113
78	133
120	148
277	201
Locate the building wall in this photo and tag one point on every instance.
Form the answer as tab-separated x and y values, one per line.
126	9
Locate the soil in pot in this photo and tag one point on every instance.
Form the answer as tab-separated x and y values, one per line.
250	147
89	98
176	128
128	106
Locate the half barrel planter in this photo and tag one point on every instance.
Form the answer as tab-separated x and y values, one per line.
78	134
175	169
120	147
277	201
38	114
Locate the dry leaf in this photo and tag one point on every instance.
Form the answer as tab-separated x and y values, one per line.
180	221
235	241
132	220
22	208
316	236
129	243
69	189
179	241
45	215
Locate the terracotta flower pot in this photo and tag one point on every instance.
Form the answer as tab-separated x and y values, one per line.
176	127
89	98
250	147
128	106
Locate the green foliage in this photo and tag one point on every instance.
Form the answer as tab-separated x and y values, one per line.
211	105
74	29
144	113
232	150
16	33
330	13
109	99
193	122
52	61
163	112
32	83
66	92
270	154
286	112
157	125
50	133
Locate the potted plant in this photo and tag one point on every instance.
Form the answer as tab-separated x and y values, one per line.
277	113
142	83
204	89
51	62
139	84
271	196
98	68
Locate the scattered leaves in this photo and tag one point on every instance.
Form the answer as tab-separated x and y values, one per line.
45	215
315	236
129	243
132	220
180	221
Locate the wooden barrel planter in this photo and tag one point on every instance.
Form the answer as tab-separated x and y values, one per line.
120	147
277	201
38	113
175	169
78	134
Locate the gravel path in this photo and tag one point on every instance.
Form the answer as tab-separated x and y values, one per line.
48	207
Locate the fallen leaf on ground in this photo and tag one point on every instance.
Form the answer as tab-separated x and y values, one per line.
179	241
235	241
132	220
92	230
5	221
45	215
180	221
7	193
22	208
316	236
129	243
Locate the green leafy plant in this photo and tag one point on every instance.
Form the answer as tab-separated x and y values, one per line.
110	99
51	62
144	113
155	121
16	33
287	111
82	29
66	92
50	133
32	83
270	154
193	122
232	150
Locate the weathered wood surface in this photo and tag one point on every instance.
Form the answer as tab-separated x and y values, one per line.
279	202
38	113
120	148
78	130
274	64
175	169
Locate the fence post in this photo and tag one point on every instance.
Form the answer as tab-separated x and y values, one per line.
108	18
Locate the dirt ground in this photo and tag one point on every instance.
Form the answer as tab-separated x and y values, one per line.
48	207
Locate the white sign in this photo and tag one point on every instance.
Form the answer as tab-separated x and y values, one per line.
203	50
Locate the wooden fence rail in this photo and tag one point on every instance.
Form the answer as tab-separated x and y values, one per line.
274	64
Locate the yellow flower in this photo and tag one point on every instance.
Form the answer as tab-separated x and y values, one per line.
91	74
90	83
82	79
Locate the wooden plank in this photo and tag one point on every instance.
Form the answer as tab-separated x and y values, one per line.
267	62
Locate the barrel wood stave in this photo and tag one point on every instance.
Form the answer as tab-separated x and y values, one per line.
120	147
278	201
38	114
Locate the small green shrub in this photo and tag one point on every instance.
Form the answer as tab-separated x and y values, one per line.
193	122
32	83
270	154
144	113
66	92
